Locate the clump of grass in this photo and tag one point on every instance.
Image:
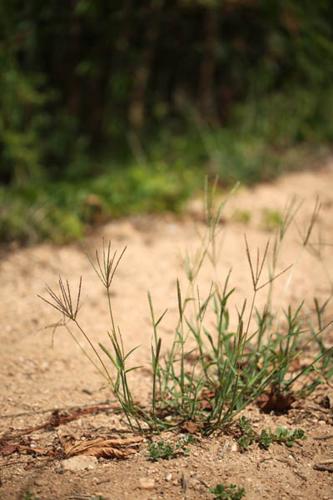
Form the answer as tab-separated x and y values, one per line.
282	435
212	370
227	492
66	303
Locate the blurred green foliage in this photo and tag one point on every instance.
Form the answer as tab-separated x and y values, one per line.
61	210
127	102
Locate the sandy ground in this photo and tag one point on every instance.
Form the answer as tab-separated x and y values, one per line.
38	375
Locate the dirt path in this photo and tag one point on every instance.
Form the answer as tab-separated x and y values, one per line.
37	376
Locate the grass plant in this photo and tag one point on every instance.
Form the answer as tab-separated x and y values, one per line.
218	362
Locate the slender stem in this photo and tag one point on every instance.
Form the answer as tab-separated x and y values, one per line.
95	351
83	350
251	311
110	309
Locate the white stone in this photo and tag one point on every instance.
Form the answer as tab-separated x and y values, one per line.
146	484
79	463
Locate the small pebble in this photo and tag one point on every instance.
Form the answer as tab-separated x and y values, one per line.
146	484
234	447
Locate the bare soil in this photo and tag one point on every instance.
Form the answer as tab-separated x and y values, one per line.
41	372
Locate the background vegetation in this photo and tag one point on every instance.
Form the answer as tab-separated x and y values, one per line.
110	108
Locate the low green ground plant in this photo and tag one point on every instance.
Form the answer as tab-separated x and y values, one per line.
227	492
29	496
271	219
166	450
282	435
241	216
218	363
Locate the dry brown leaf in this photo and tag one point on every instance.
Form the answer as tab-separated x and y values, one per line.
206	397
191	427
106	448
327	400
205	405
275	401
9	448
